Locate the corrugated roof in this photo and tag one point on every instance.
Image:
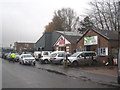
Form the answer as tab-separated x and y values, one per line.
110	35
72	37
70	33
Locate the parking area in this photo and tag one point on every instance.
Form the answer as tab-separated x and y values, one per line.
103	70
99	74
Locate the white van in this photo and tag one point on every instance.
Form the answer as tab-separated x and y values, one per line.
36	53
85	57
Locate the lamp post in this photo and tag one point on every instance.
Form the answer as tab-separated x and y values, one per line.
64	40
119	43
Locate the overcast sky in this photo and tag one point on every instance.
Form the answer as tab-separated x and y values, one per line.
25	20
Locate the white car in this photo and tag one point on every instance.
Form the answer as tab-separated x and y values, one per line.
45	57
17	57
58	57
27	59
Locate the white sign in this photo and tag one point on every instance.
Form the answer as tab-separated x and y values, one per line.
91	40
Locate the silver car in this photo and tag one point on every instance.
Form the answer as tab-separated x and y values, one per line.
85	57
57	57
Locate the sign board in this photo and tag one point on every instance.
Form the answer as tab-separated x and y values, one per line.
93	40
62	41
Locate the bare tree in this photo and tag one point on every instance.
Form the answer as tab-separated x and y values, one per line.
64	19
69	18
104	15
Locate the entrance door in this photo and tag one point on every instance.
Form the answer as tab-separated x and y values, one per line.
62	48
91	48
88	48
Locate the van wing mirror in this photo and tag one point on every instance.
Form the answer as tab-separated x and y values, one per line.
83	55
79	56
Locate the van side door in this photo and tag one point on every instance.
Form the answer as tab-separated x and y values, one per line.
81	58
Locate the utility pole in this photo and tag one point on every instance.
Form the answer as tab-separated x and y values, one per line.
119	43
65	58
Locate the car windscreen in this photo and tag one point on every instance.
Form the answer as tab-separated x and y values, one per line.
53	55
45	53
75	54
27	56
90	54
61	54
16	54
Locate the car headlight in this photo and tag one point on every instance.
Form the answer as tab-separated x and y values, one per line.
25	60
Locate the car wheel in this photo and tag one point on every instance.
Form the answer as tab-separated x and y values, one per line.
46	61
23	62
34	63
19	62
75	64
50	62
61	62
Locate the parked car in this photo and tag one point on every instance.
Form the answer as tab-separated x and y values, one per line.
36	53
6	51
17	57
45	57
8	57
27	59
57	57
26	52
4	55
85	57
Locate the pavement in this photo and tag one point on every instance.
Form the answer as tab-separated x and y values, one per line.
106	75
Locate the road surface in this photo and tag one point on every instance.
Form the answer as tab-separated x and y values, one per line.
15	75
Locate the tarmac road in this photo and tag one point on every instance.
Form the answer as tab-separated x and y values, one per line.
15	75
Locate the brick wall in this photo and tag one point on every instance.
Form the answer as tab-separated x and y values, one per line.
102	43
20	47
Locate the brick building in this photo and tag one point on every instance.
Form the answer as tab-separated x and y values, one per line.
58	40
21	46
66	43
105	43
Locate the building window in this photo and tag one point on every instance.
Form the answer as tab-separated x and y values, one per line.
103	51
67	47
57	48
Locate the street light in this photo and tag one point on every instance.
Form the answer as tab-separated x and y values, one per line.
119	43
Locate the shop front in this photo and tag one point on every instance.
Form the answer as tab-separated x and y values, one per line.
62	44
91	43
99	41
66	43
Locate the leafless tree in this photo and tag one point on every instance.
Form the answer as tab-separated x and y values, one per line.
69	18
104	14
63	19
